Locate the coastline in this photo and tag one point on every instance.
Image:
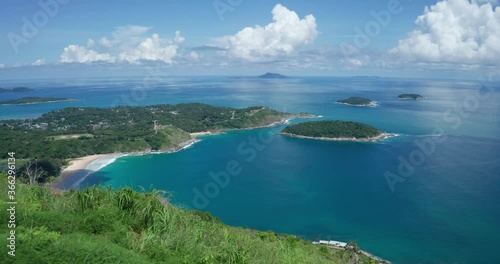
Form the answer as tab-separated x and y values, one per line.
100	161
380	137
372	104
80	168
76	166
47	102
205	133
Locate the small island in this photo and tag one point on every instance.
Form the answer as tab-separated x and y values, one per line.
270	75
410	97
34	100
16	90
358	101
335	131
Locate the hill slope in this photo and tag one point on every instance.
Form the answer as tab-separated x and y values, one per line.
124	226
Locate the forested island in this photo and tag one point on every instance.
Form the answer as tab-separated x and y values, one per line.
335	130
33	100
16	90
410	96
357	101
271	75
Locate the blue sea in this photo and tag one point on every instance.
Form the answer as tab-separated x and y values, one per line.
429	195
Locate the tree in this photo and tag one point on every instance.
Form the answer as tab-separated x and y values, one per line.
32	172
352	246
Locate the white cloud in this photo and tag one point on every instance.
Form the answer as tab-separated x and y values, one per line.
454	31
178	38
125	37
193	55
75	53
2	66
282	37
39	62
126	44
105	42
151	49
90	43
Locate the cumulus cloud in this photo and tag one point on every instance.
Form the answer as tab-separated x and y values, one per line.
151	49
194	55
282	37
178	39
125	37
126	44
75	53
454	31
90	43
39	62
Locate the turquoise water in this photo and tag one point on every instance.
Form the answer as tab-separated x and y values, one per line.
446	210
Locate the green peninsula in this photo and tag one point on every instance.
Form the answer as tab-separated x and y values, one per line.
357	101
410	96
58	134
335	130
33	100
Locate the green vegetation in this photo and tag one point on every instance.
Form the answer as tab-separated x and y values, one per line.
123	129
73	136
78	132
99	225
358	101
410	96
32	100
332	129
17	89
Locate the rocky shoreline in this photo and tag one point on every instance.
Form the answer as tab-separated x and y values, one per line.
372	104
380	137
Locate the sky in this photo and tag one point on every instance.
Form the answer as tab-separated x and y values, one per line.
393	38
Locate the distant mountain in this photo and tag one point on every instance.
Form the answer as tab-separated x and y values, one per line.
270	75
16	90
410	96
365	77
22	89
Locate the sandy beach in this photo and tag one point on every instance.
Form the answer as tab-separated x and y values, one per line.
77	166
80	168
204	133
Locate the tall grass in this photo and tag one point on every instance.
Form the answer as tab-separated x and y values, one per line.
99	225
